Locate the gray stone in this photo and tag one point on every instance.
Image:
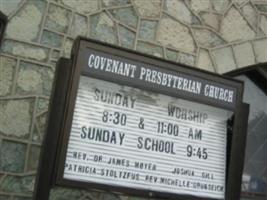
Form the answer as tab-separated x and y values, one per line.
9	7
174	34
18	184
7	66
250	14
244	54
234	27
41	121
34	79
261	7
65	194
211	19
224	59
22	198
126	16
83	6
239	2
67	47
179	10
149	9
204	60
150	49
33	158
55	54
202	5
196	20
42	105
92	194
263	23
147	30
138	198
79	26
127	37
12	156
29	80
123	197
207	38
108	3
25	50
36	136
58	18
4	197
109	196
52	39
260	33
260	50
187	59
103	28
171	55
26	24
220	5
15	120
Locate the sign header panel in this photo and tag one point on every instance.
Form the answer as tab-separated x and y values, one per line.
127	137
107	66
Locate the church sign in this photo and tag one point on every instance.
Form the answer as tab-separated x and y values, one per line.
125	122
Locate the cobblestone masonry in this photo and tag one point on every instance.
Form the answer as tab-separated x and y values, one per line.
214	35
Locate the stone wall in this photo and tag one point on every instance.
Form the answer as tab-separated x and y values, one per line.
215	35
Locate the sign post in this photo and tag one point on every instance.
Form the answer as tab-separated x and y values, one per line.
139	125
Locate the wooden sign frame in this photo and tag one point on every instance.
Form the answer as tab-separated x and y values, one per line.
68	72
258	75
